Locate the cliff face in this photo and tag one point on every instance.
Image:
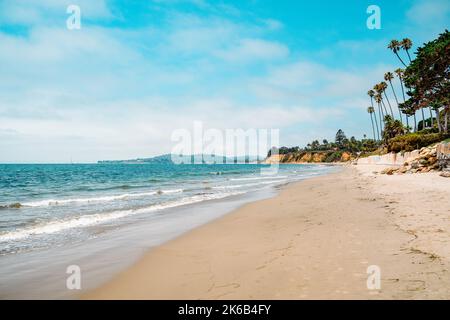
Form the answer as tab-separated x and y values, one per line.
310	157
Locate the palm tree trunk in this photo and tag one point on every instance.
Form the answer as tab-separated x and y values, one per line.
438	119
376	124
407	122
396	100
373	128
389	103
396	53
423	119
385	109
415	121
446	115
380	110
409	57
403	89
375	116
431	116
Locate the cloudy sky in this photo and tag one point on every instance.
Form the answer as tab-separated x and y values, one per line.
137	70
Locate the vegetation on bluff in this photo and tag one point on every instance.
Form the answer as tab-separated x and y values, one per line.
425	89
341	149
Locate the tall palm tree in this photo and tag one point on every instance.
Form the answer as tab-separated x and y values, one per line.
378	99
377	88
388	76
395	46
406	44
370	110
383	86
371	94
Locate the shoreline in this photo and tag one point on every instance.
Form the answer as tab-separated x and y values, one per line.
292	246
99	258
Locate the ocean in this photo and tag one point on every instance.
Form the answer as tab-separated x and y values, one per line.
55	214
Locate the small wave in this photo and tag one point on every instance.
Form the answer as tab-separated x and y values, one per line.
54	202
236	186
94	219
257	178
172	191
117	187
224	172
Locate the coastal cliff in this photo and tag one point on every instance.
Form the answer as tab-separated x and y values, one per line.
310	157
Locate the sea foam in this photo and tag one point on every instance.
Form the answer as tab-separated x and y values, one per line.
94	219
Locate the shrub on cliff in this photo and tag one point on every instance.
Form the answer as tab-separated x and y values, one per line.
413	141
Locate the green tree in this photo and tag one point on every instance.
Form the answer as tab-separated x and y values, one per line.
340	139
392	128
428	76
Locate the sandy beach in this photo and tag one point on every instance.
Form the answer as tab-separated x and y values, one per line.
314	240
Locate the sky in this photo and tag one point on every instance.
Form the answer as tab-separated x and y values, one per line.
135	71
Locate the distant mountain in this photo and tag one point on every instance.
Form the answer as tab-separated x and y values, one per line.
167	158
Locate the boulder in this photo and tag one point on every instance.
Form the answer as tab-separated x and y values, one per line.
403	170
432	160
445	174
389	171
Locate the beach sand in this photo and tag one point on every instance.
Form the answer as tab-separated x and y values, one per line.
315	240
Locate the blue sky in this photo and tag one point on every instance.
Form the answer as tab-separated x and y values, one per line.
137	70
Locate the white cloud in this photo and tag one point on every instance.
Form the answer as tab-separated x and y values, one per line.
426	12
273	25
310	81
252	50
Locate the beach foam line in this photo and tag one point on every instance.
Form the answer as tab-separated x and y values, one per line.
94	219
53	202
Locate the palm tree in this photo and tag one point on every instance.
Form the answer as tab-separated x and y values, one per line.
395	46
406	44
383	87
399	73
371	110
378	99
388	76
371	94
378	89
